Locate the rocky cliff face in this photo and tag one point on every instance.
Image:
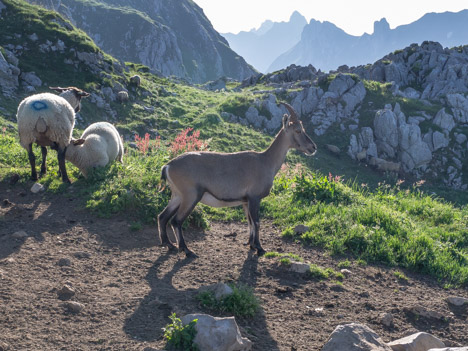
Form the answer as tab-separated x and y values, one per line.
171	37
406	113
327	47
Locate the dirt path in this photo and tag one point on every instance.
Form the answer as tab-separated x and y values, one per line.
129	286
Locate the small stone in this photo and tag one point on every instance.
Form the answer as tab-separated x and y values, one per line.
386	319
64	261
4	346
74	307
299	267
6	203
424	312
301	229
82	254
21	234
37	187
346	271
110	263
457	301
416	342
337	287
66	292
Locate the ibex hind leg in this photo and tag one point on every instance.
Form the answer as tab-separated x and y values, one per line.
186	207
163	219
250	242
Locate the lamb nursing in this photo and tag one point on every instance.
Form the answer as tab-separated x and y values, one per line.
48	120
99	144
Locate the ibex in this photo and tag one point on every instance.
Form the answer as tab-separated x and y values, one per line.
228	179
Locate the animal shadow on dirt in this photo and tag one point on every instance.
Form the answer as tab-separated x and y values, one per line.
153	312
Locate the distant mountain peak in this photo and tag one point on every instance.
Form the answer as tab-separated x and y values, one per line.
381	26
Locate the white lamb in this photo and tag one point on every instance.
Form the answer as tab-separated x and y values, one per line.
99	145
47	120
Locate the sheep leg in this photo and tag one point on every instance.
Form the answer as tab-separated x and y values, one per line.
186	207
44	159
32	162
254	209
163	218
251	227
61	162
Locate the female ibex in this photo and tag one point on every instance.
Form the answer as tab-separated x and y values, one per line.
228	179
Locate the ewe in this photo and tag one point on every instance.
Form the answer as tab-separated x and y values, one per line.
47	120
99	145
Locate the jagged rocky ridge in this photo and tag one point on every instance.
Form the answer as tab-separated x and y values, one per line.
171	37
431	142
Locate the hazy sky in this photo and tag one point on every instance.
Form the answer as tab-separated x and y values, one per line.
353	16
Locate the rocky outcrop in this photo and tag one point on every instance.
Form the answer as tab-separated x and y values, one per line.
436	70
170	37
355	337
217	334
9	72
416	342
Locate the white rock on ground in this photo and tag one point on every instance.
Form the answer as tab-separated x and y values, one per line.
220	290
299	267
464	348
21	234
416	342
457	301
37	187
355	337
217	334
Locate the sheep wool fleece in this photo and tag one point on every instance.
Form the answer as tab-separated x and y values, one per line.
45	117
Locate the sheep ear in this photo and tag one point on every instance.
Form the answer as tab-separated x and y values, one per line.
77	142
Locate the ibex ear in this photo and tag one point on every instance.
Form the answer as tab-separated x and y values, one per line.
77	142
286	119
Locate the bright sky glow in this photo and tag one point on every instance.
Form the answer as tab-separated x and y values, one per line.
354	17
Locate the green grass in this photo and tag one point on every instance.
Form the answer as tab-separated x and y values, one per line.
241	303
180	337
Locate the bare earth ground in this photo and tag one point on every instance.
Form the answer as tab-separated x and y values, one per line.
129	285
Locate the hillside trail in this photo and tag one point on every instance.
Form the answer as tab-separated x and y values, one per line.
129	285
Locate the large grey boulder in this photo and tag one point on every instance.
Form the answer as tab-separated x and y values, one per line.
217	334
439	140
464	348
416	342
354	337
253	117
8	76
386	128
459	105
444	120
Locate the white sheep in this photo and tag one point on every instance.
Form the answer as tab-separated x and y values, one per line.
47	120
99	145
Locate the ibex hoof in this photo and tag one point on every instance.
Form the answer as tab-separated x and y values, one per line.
260	251
190	254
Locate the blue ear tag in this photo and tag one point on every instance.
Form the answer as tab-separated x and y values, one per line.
39	105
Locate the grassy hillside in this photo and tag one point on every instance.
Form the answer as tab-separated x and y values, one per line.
349	210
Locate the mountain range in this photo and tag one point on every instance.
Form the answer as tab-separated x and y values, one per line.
326	46
170	37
